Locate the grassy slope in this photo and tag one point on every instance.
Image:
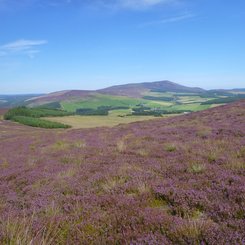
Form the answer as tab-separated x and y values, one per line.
191	102
109	100
99	100
192	107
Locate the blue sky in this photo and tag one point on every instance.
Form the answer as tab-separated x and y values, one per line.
50	45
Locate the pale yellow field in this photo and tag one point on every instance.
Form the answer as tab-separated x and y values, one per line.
97	121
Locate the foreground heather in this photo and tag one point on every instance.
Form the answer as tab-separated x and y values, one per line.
166	181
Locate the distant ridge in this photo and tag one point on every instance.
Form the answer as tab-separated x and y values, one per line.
137	89
62	95
134	90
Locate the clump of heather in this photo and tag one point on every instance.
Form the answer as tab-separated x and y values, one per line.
178	180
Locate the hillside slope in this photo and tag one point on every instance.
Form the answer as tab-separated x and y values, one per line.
138	89
134	90
66	95
166	181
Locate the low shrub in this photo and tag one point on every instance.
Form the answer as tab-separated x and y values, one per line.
196	168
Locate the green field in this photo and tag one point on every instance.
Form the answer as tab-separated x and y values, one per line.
191	107
189	102
98	100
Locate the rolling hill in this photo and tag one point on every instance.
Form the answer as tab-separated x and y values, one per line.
138	99
166	181
139	89
134	90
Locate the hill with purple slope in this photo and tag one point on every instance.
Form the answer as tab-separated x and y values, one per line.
138	89
178	180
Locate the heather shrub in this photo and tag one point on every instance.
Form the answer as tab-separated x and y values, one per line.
241	152
21	230
121	146
32	162
170	147
4	163
67	173
79	144
212	156
138	188
191	231
111	183
236	164
61	145
203	132
112	193
159	204
196	168
143	152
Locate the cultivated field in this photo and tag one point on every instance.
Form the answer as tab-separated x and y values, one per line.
111	120
177	180
187	102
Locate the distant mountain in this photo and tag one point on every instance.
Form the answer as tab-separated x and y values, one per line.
238	90
134	90
7	101
138	89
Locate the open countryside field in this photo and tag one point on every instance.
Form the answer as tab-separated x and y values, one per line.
97	121
100	121
85	109
115	105
95	101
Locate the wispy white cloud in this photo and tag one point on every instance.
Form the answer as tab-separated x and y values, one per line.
138	4
11	5
17	5
22	47
132	4
169	20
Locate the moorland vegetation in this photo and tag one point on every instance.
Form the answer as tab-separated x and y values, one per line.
178	180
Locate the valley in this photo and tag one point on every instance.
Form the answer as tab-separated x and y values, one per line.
121	104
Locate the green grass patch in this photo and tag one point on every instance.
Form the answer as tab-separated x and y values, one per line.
98	100
189	107
224	100
52	105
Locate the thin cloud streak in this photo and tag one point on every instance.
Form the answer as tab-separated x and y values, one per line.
10	5
133	4
22	46
168	20
138	4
